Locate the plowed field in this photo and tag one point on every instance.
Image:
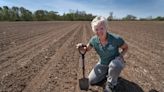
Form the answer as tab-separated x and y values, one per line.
42	57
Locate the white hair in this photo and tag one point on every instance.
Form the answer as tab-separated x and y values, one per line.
98	20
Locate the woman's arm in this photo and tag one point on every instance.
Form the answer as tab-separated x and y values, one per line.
89	47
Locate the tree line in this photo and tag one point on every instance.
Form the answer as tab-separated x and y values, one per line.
130	17
22	14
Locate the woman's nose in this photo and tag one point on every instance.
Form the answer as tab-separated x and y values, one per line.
98	31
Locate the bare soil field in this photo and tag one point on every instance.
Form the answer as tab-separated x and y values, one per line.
42	57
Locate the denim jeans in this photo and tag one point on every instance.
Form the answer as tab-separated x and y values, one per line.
110	72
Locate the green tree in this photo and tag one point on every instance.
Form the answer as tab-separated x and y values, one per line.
1	15
52	15
22	14
78	16
159	18
41	15
129	17
25	14
5	13
68	16
15	13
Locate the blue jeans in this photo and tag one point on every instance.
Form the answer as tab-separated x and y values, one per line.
111	72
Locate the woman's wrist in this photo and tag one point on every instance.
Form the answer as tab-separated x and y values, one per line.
122	54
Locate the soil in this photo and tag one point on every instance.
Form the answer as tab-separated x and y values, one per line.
42	56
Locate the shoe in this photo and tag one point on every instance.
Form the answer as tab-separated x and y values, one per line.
109	87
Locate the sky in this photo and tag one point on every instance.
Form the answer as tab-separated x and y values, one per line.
120	8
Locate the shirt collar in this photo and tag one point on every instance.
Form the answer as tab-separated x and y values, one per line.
107	35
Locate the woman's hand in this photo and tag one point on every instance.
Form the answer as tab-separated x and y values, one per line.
82	47
124	48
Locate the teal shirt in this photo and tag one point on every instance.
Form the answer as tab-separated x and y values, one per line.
110	50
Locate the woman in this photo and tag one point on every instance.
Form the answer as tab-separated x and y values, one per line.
111	61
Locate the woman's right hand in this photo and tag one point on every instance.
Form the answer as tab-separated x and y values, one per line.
82	47
79	45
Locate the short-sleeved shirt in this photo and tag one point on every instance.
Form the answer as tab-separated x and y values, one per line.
108	51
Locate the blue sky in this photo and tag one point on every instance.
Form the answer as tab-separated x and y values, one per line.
120	8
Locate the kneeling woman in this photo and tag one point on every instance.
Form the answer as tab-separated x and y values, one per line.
111	61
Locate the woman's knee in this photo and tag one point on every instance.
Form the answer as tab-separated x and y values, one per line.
92	80
92	77
95	77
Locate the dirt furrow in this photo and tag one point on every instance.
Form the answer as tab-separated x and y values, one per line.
55	72
24	50
17	81
20	35
33	52
17	36
31	40
138	64
18	30
21	60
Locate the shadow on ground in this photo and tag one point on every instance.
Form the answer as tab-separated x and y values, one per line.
127	86
153	90
123	86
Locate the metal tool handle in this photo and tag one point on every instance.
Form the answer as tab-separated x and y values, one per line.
83	63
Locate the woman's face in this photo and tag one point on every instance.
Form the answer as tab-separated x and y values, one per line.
100	30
